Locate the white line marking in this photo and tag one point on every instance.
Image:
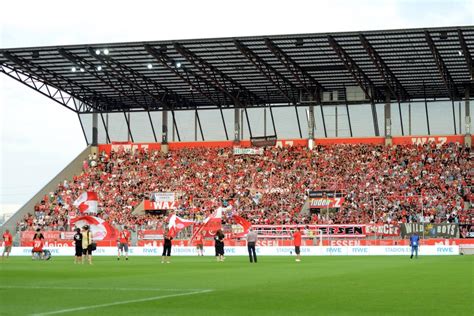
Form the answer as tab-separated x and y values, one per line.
33	287
69	310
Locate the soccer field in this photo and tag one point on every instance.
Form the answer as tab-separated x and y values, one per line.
274	286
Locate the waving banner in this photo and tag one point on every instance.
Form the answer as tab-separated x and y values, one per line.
87	202
101	230
176	224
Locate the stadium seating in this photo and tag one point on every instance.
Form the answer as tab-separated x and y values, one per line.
381	184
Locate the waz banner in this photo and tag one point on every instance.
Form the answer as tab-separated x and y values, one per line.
161	201
325	199
446	230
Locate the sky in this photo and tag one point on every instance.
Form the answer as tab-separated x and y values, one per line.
39	137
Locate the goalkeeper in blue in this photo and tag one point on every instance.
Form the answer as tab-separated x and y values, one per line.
414	242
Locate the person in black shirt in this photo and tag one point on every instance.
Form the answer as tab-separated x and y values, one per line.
166	247
219	245
78	244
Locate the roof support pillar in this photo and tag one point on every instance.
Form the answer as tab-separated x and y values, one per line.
95	130
311	122
164	131
127	120
106	127
426	110
236	125
454	117
388	118
467	113
374	118
152	127
401	117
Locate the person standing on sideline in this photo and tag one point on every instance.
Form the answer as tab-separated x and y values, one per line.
251	242
414	242
297	243
87	243
124	241
7	243
219	245
199	244
78	244
165	256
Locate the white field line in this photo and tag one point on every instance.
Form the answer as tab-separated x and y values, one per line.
26	287
155	298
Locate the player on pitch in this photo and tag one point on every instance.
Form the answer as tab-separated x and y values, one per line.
123	242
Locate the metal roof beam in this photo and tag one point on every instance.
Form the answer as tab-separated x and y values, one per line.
63	85
103	76
371	92
238	93
466	54
159	93
199	84
443	71
396	89
300	75
284	86
43	88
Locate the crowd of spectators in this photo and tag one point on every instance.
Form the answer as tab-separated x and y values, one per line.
381	184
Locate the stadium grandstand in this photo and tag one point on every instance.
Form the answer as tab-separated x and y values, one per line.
357	136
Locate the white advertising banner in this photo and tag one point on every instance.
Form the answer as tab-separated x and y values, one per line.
162	197
262	251
248	151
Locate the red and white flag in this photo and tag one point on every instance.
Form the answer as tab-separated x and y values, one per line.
211	224
101	230
242	222
87	202
176	224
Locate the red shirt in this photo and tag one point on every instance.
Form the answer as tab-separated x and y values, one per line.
297	238
198	239
38	245
124	236
7	237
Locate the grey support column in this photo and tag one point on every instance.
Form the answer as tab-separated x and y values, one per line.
374	118
164	134
95	131
236	125
467	112
311	123
388	118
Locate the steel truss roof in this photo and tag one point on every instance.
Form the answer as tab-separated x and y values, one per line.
244	72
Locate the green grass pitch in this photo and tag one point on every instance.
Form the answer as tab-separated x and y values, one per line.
274	286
